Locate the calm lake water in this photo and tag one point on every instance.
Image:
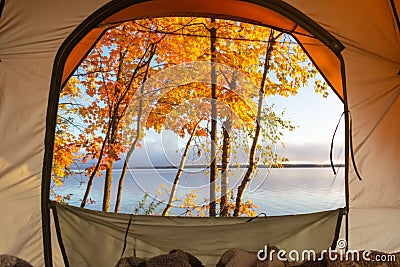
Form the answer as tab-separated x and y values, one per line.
275	192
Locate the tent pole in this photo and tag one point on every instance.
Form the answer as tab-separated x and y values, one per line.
48	160
347	148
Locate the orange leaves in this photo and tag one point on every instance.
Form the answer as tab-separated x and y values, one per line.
106	103
201	132
64	155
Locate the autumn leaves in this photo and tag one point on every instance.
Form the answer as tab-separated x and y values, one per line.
206	80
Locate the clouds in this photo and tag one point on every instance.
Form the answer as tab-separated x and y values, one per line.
311	152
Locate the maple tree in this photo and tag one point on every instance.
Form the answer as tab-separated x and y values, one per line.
111	76
245	64
66	149
252	163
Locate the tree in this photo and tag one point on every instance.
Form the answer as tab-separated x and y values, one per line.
180	170
66	149
134	142
213	133
290	68
252	162
247	63
112	75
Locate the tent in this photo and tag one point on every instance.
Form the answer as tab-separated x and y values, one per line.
355	45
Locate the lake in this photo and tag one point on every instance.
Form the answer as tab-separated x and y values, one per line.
275	191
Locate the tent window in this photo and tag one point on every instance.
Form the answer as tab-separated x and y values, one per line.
198	116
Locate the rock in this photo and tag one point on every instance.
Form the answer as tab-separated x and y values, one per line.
12	261
237	257
176	258
244	258
131	262
194	262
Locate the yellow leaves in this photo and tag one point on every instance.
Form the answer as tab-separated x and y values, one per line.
248	209
191	207
71	87
63	156
155	121
110	80
321	87
57	180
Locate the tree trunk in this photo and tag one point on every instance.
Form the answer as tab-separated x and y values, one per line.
134	143
226	151
109	169
120	185
90	181
213	165
110	132
252	161
107	187
110	128
180	170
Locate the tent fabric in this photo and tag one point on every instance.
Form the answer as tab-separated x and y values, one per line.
93	238
80	51
31	34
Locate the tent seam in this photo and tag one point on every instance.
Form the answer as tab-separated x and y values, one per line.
2	3
396	16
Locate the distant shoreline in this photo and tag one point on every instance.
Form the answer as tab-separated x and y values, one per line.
236	166
302	165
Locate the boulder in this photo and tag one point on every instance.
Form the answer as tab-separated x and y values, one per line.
176	258
12	261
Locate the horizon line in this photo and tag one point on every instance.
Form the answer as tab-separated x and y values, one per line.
238	166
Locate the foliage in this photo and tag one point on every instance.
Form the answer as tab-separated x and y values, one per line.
145	208
193	209
105	109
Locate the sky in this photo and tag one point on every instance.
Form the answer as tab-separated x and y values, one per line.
316	118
